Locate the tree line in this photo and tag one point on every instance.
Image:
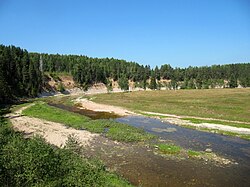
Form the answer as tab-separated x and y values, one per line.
87	71
21	73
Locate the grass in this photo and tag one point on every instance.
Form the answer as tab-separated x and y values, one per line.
114	130
192	153
179	152
64	99
198	121
43	111
169	148
227	104
151	115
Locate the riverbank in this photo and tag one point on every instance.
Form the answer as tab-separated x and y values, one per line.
27	158
90	105
128	159
175	119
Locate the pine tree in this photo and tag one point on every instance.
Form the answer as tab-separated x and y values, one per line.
123	83
153	84
233	82
144	81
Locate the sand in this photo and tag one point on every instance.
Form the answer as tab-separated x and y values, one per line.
90	105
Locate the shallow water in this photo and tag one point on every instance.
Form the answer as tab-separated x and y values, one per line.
141	166
227	146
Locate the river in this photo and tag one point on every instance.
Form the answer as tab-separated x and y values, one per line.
141	166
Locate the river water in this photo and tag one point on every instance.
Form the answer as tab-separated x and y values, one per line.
227	146
143	167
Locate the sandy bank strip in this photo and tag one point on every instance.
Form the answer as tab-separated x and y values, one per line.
54	133
90	105
174	119
227	128
195	117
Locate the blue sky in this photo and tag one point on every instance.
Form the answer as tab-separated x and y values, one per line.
155	32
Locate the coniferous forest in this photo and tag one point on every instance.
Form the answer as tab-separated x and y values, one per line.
21	73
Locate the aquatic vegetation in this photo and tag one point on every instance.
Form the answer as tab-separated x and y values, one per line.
169	148
192	153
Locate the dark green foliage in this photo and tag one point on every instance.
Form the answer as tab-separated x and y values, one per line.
153	84
123	83
87	71
233	81
19	74
144	81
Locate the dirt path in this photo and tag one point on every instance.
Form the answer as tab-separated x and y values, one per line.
54	133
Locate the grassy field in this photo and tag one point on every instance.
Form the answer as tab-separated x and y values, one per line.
114	130
227	104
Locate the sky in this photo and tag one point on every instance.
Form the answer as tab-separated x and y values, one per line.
181	33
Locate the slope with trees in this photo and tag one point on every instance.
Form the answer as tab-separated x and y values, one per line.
21	73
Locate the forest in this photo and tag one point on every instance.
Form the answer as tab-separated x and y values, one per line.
22	73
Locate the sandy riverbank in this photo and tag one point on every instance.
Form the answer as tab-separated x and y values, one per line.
90	105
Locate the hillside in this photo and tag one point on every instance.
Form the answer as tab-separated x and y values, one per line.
27	74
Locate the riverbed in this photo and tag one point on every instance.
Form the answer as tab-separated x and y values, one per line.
141	166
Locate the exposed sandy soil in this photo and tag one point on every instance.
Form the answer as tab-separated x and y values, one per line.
90	105
174	119
209	126
54	133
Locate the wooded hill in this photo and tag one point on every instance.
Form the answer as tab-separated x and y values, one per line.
22	73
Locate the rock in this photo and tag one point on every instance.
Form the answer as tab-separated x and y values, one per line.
208	150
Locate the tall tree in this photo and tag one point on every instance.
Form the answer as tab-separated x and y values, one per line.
123	83
153	84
